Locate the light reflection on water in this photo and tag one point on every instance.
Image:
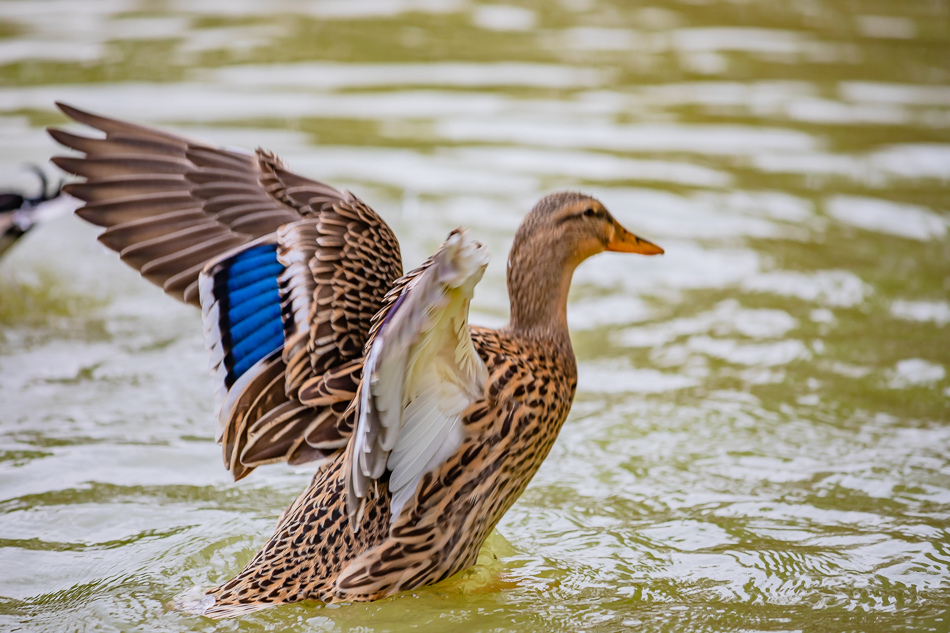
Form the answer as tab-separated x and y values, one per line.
760	437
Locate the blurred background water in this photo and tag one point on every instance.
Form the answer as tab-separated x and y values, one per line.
760	440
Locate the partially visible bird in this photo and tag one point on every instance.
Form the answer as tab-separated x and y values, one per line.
18	213
427	429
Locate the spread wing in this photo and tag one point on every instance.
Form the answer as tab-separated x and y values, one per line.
171	205
286	319
288	272
421	372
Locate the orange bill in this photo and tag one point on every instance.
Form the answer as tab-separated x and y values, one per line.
624	241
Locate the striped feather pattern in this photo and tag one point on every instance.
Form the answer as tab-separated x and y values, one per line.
170	205
421	372
451	422
294	272
335	278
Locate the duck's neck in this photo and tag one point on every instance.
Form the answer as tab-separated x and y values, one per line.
538	284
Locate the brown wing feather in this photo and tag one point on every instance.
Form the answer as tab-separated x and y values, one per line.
339	266
137	176
171	205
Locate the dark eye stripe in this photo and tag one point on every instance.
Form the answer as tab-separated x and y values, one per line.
580	214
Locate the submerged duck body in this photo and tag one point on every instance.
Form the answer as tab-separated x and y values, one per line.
428	429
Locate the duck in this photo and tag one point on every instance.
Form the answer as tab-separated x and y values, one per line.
425	429
19	212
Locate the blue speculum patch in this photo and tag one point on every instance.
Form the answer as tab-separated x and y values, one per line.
250	317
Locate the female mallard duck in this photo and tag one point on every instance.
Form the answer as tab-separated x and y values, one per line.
322	349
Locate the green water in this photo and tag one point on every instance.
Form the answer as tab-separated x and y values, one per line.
760	440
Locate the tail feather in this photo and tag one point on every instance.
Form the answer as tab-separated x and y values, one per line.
209	607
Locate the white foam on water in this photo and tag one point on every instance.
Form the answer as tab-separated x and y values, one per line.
668	137
620	378
503	17
748	40
914	372
12	51
886	26
411	170
595	312
910	161
240	38
883	216
152	102
913	160
599	167
753	354
907	94
761	97
830	111
936	311
832	288
334	76
688	535
686	265
589	38
726	318
327	9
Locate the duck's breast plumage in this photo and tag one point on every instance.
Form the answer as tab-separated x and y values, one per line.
506	435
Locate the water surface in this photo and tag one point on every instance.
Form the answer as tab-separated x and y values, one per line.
760	440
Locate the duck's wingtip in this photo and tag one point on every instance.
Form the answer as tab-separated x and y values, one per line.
67	109
463	258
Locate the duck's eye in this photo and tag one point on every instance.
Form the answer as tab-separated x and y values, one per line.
589	212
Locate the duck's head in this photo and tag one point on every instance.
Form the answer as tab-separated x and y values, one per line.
578	226
560	232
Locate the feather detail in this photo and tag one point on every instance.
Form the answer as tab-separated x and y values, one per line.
173	207
170	204
299	284
420	374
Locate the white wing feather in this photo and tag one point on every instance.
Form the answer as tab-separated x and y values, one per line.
421	373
